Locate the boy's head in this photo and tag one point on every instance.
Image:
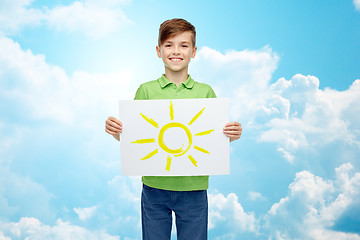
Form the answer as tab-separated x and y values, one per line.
173	27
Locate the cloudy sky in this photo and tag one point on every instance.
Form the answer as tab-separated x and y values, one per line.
290	68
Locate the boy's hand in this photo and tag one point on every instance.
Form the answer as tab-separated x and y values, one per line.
113	126
233	130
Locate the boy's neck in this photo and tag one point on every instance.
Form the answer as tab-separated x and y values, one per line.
176	77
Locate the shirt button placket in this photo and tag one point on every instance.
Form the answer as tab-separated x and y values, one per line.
178	92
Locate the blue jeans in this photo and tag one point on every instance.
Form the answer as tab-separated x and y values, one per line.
191	211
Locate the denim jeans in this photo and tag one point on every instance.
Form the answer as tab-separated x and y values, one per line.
190	208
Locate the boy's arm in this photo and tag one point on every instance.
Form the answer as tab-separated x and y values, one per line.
113	126
233	130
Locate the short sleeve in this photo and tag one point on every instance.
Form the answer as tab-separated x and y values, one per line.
211	93
140	94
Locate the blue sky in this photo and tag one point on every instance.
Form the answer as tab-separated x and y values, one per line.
290	69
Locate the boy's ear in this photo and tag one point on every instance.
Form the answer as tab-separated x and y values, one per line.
194	52
158	51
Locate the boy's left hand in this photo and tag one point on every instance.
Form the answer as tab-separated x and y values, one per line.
233	130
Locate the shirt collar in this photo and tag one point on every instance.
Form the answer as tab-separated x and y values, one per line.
189	83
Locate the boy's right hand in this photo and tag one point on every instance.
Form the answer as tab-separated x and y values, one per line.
113	126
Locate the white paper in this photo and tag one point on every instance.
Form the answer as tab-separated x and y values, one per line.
177	137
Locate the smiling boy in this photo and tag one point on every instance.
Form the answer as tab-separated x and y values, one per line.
185	196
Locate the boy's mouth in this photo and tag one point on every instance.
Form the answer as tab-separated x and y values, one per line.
176	59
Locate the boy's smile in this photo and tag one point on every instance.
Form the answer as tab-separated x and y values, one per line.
176	53
175	59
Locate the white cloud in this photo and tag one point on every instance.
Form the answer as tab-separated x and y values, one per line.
85	213
16	14
242	75
44	91
287	155
314	205
3	237
92	17
255	196
357	4
119	210
20	195
315	117
227	213
34	91
295	114
9	137
32	228
312	210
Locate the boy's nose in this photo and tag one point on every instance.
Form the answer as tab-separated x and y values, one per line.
176	50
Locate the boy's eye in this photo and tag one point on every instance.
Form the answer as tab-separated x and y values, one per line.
185	46
167	45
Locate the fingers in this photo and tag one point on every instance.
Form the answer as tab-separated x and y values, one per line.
233	130
113	125
233	134
233	127
233	124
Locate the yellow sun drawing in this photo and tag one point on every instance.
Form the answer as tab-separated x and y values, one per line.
160	140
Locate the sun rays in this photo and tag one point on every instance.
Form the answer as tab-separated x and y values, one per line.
161	143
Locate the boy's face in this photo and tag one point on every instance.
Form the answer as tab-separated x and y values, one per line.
177	51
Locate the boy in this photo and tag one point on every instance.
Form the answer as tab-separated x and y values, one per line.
186	196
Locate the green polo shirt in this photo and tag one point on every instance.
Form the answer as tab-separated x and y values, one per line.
162	88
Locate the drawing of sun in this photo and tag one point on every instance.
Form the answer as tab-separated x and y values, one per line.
161	142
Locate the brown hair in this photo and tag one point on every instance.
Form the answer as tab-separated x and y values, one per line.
173	27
